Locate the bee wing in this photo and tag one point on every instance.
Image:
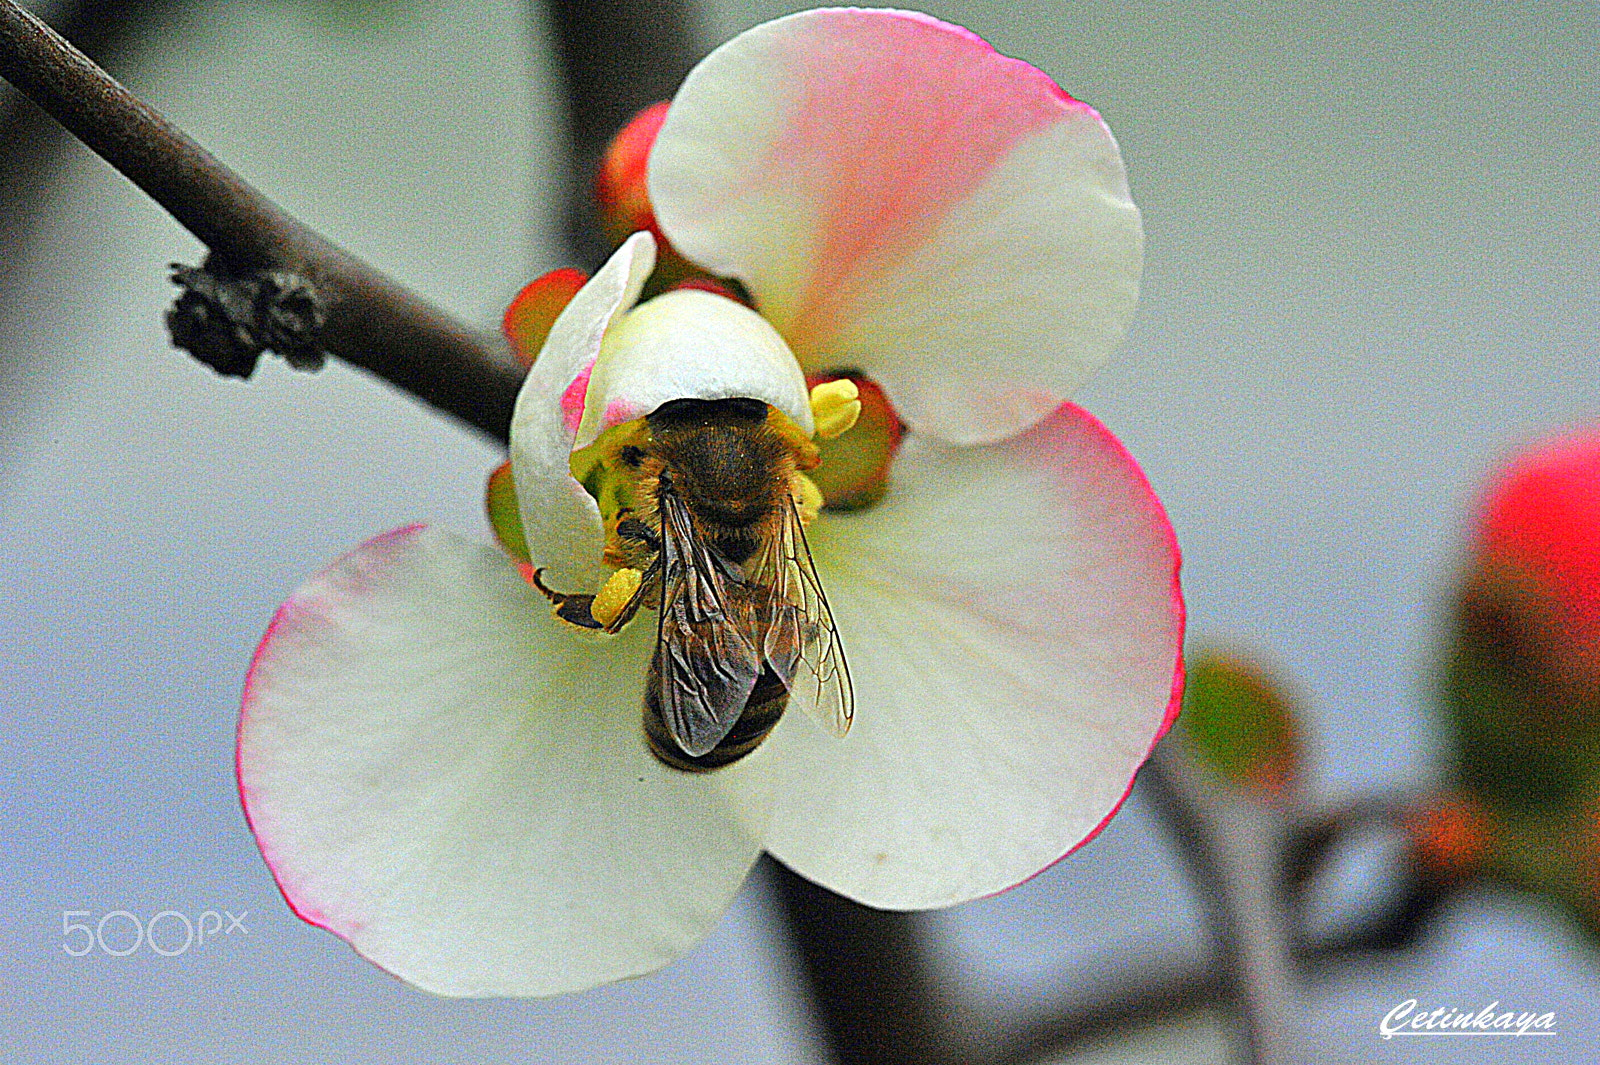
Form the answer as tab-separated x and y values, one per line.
801	641
706	665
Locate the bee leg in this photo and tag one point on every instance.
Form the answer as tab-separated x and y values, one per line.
633	529
577	610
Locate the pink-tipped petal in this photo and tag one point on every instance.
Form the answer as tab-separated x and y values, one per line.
1013	623
903	200
436	775
560	520
691	344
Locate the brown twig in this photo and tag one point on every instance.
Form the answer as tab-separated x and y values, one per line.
371	321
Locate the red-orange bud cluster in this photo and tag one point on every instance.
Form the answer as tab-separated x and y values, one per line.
1450	834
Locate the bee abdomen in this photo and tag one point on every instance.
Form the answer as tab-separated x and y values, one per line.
759	717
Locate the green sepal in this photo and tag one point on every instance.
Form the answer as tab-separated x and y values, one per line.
505	516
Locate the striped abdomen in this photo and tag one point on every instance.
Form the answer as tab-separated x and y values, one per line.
759	717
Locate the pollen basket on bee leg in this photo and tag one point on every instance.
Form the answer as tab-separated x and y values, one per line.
617	593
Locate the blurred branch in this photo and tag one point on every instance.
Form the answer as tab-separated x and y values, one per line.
881	1001
1291	853
616	58
1417	892
35	149
103	29
870	981
364	317
1233	850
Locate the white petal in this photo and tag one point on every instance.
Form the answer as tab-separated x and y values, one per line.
691	345
1012	619
437	776
560	520
903	200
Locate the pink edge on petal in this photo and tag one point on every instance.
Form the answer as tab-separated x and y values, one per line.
1180	618
293	609
573	398
930	110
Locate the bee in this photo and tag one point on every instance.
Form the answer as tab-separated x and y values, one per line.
742	621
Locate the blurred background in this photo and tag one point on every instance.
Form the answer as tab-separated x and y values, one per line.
1373	272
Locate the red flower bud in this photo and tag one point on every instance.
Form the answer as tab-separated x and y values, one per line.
528	320
619	187
1522	683
1538	548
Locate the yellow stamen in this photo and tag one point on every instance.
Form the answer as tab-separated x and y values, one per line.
835	406
807	497
617	593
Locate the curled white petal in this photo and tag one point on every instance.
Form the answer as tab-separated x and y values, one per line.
691	345
559	519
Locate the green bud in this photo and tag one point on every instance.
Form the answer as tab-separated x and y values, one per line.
1240	726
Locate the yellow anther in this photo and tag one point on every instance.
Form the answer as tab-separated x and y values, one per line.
807	498
617	593
835	406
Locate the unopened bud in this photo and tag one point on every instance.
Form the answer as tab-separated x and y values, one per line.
620	190
1538	540
1240	725
528	320
1522	683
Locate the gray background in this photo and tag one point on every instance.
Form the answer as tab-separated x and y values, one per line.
1371	272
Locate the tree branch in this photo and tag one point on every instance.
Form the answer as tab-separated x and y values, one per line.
370	321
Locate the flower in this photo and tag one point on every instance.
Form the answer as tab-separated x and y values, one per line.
457	783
